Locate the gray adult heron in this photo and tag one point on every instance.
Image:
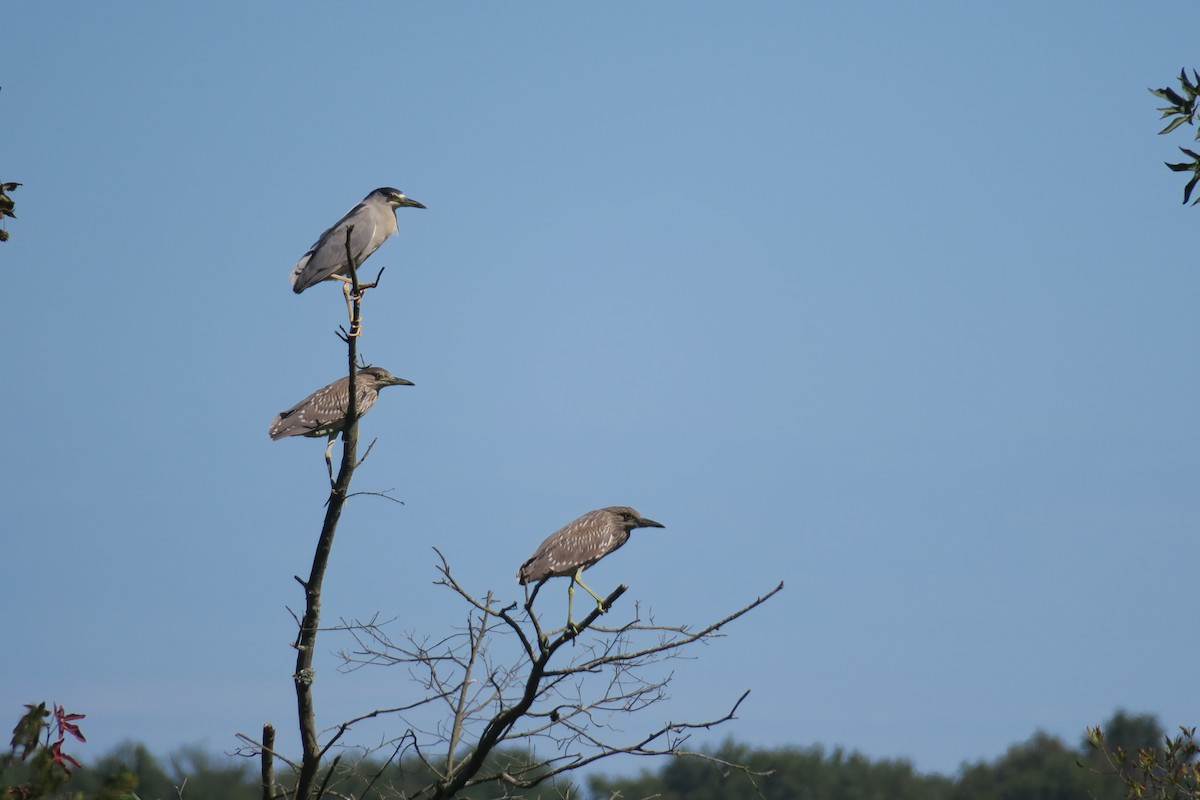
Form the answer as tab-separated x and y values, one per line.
323	413
580	544
374	219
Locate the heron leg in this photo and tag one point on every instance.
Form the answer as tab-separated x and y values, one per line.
355	322
328	455
579	579
351	299
571	626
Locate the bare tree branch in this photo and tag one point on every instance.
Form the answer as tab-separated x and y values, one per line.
307	637
537	692
268	762
490	692
257	748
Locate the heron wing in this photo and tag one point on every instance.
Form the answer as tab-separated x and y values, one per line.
579	543
328	256
289	423
315	415
286	424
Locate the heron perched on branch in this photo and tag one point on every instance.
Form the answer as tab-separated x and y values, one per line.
323	413
374	219
578	545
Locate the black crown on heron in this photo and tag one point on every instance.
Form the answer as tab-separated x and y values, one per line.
578	545
323	413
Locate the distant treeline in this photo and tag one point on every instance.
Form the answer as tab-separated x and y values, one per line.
1040	768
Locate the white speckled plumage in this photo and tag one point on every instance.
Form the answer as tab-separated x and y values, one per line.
581	543
323	413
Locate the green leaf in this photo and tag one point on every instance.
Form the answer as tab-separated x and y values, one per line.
1173	96
29	729
1187	190
1188	86
1174	124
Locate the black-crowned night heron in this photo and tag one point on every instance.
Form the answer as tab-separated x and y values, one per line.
374	219
323	413
579	544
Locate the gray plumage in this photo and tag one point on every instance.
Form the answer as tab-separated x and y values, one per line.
323	413
374	219
580	544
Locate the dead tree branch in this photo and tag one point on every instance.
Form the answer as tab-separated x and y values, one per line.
306	639
492	692
268	762
505	685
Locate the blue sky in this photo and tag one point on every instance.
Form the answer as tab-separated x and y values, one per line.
896	305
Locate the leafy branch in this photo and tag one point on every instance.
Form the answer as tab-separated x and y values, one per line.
41	732
1182	109
1170	772
6	206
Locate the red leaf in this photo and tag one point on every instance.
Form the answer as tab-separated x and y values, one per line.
60	758
66	723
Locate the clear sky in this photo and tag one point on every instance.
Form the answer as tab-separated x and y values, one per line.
893	302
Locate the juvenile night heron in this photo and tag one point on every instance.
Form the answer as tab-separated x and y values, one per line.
578	545
374	219
323	413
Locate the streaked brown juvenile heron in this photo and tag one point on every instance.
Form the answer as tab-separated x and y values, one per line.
323	413
580	544
374	219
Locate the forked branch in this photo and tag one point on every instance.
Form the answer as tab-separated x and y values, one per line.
508	687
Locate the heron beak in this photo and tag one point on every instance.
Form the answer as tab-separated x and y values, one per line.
649	523
408	201
394	381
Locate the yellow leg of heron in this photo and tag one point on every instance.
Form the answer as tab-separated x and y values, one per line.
570	600
599	600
